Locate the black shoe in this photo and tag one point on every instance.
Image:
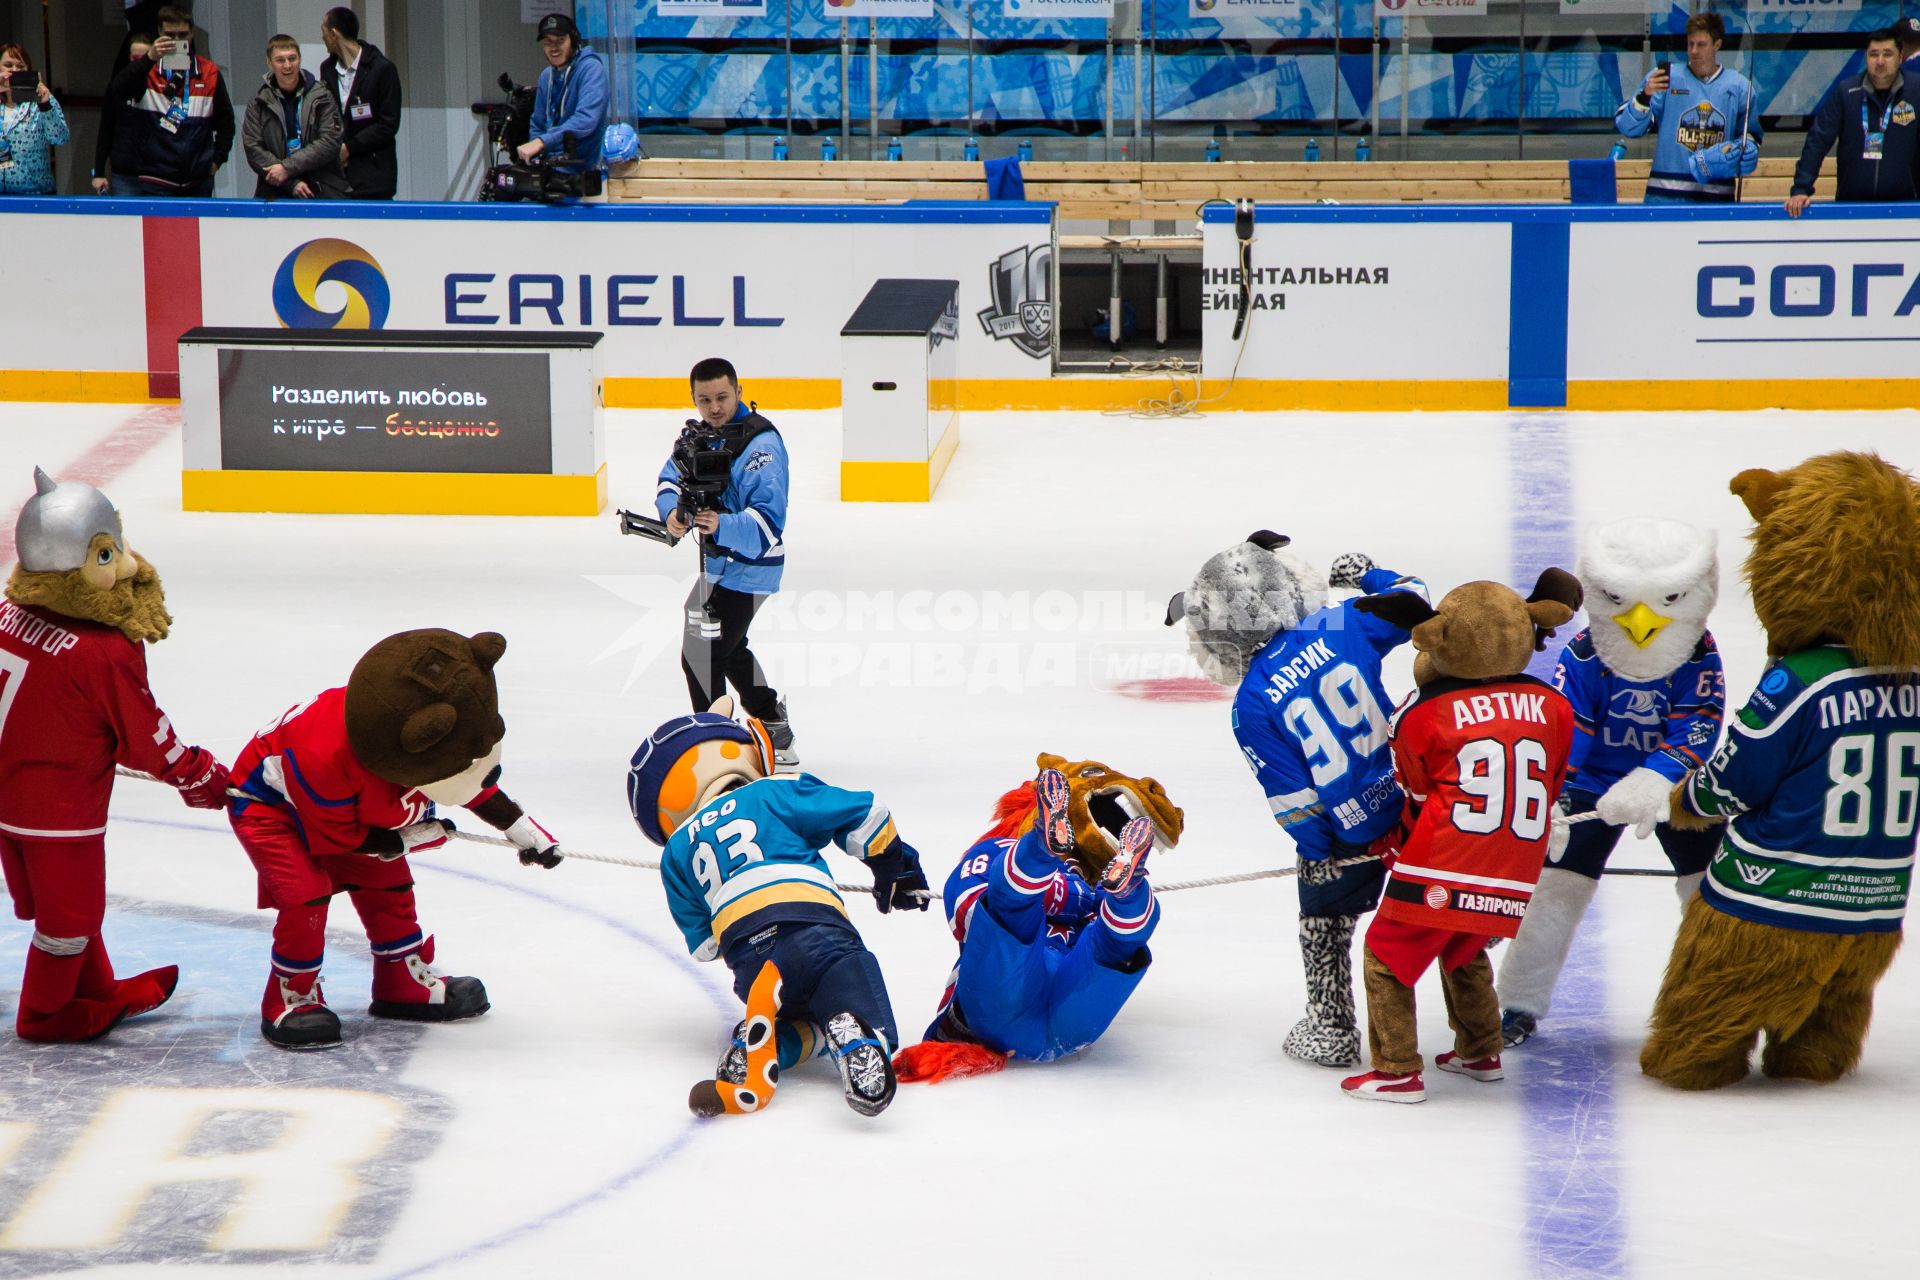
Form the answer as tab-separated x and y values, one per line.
865	1070
1516	1028
733	1063
309	1026
780	734
466	998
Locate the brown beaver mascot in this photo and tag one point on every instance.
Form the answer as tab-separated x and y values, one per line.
1052	911
1801	910
80	610
336	794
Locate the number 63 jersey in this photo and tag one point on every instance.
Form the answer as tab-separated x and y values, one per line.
1482	763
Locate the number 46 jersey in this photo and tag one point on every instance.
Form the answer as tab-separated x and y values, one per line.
1482	764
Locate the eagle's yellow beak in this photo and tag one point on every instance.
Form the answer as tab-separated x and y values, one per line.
1641	623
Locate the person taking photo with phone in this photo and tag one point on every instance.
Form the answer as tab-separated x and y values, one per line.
1872	119
31	125
1703	116
180	128
292	132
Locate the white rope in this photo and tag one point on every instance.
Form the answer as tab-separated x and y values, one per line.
651	864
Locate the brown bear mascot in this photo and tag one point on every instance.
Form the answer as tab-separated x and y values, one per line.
336	794
1481	753
74	703
1801	909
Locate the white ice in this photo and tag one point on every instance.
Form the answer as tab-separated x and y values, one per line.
552	1134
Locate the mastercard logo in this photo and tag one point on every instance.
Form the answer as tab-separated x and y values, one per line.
296	287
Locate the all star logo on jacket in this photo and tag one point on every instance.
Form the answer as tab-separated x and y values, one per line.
1021	286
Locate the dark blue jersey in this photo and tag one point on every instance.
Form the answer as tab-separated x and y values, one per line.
1819	779
1311	716
1667	725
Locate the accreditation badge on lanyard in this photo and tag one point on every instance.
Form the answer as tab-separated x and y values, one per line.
1876	139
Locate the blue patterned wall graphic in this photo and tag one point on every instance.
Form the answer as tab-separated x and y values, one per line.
995	68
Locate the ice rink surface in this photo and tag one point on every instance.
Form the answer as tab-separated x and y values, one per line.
926	653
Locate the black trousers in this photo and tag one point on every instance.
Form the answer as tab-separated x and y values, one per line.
714	650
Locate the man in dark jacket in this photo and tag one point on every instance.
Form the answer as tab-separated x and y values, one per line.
292	131
179	128
367	87
1872	118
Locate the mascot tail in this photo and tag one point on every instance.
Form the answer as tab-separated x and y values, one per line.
932	1061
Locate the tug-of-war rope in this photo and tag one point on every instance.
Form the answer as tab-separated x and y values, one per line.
1173	886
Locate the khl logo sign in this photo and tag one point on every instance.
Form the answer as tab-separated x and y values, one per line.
296	286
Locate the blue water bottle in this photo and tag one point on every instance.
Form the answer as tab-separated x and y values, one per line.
780	148
893	148
972	150
1619	151
1213	151
829	149
1364	152
1313	150
1025	150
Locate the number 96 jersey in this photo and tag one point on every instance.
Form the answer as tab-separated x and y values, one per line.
1482	763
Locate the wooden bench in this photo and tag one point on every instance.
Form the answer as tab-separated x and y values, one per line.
1109	191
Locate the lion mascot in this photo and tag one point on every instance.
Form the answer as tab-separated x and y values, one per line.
1800	912
1053	911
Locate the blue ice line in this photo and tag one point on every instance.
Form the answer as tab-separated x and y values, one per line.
1574	1220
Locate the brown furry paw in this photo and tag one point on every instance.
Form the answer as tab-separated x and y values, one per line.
1694	1076
1683	818
1792	1061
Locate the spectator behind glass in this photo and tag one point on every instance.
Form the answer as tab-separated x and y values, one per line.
181	129
291	135
31	125
367	87
111	115
1872	119
571	99
1692	109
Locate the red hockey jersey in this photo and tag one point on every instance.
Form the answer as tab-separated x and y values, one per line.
74	703
302	762
1482	764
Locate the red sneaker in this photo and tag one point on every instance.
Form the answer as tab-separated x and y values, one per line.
1484	1069
1385	1086
1056	828
1130	859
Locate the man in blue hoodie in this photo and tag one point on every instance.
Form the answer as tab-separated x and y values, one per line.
571	99
742	553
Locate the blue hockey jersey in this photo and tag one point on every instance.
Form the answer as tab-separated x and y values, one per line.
1692	115
1311	717
1619	725
751	858
753	527
1071	901
1819	779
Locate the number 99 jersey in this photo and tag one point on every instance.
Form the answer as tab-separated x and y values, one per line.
1311	718
1482	763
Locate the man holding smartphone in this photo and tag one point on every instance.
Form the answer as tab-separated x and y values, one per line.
1704	118
179	128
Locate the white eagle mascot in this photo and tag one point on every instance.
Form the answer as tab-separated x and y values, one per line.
1648	695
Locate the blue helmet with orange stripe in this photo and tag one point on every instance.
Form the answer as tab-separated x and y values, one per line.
689	760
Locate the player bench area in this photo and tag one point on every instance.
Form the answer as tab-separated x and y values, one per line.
1151	191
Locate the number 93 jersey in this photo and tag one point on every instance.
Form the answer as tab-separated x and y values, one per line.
751	858
1482	763
1311	718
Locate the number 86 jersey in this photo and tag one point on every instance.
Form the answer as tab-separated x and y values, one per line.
1482	763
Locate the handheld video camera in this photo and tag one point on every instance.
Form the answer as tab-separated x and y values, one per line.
509	126
703	455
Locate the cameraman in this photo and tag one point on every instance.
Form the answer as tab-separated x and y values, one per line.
741	553
571	99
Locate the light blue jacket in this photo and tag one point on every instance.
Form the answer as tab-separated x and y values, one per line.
753	529
573	99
